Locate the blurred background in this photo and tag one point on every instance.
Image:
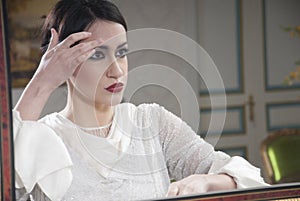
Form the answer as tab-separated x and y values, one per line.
254	44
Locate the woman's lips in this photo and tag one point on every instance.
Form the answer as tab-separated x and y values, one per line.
115	88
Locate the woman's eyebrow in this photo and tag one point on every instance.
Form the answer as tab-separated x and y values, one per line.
125	43
106	47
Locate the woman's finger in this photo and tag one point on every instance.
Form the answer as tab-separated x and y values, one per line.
82	48
80	59
173	189
80	53
73	38
187	189
53	40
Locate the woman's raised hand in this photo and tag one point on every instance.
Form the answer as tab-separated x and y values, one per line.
57	65
61	59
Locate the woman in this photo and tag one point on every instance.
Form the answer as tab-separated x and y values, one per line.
97	148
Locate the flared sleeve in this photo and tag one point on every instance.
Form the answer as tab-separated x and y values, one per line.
41	158
186	153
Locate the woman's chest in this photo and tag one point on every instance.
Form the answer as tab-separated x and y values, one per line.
117	184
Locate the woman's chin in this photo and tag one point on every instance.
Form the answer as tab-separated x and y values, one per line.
112	100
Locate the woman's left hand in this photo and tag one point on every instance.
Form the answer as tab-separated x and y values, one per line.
201	183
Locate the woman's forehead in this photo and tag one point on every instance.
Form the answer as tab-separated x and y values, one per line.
109	32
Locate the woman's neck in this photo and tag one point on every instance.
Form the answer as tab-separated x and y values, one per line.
87	114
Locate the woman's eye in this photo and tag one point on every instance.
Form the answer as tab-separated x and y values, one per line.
97	55
121	53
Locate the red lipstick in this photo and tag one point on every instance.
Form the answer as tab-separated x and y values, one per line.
115	88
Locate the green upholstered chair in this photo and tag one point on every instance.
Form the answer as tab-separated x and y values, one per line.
281	156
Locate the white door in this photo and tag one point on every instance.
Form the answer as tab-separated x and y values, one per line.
253	54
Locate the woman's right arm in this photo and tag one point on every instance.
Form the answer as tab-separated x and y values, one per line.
57	64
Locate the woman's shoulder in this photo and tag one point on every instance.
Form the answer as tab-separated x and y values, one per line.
18	119
49	117
56	121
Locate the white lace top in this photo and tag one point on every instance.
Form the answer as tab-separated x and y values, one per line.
145	148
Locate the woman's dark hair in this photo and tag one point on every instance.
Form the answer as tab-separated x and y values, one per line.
71	16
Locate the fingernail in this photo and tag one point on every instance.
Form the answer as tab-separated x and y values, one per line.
51	31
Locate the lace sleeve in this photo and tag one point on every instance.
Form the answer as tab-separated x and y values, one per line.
21	194
35	195
186	153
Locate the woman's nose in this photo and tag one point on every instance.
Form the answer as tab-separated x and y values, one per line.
115	70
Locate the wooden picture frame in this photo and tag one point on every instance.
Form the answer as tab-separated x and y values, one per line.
278	192
7	159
